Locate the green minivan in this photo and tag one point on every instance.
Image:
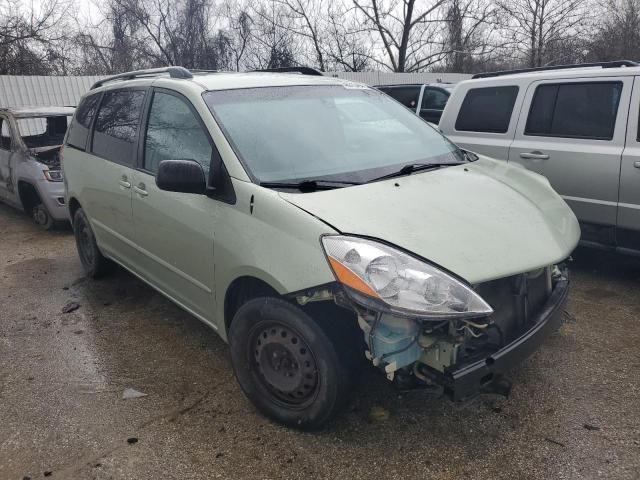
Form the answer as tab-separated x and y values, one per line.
313	222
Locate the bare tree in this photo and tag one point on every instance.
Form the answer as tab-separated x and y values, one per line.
115	44
31	39
237	34
274	43
469	27
305	19
618	36
348	47
409	30
541	29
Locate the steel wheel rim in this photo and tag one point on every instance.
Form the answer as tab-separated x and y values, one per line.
284	365
84	240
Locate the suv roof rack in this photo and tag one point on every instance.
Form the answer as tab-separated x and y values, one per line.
302	70
617	63
174	72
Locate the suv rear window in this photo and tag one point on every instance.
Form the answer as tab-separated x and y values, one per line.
575	110
408	96
487	109
116	126
79	128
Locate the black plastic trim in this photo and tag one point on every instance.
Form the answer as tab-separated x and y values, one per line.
466	382
302	70
615	64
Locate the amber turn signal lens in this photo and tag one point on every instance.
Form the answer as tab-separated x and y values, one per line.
350	279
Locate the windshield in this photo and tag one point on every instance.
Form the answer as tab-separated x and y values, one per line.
39	132
324	133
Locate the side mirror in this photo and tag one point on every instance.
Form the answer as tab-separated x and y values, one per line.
185	176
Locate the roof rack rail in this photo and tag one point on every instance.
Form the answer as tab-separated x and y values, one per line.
202	70
174	72
302	70
615	64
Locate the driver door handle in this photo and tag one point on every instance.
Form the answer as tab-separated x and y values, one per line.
636	164
535	155
140	190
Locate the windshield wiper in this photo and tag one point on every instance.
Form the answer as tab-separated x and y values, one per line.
415	167
309	185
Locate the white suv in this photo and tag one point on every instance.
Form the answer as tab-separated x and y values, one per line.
576	125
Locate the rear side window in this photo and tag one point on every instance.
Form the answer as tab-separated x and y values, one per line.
79	129
408	96
575	110
487	109
174	133
434	99
116	125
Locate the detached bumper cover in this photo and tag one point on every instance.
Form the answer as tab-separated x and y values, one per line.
467	381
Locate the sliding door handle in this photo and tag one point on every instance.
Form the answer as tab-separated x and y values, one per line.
535	155
140	190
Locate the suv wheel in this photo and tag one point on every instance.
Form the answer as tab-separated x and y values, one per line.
94	263
286	364
42	217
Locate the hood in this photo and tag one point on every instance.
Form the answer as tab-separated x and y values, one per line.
482	220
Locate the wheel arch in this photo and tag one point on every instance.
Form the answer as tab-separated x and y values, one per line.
74	205
240	291
29	195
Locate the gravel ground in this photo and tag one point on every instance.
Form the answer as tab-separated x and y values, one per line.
574	411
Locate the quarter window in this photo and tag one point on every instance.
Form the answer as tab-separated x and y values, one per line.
487	109
117	125
174	133
575	110
79	129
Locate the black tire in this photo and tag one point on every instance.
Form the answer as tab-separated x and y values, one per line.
287	365
42	217
94	263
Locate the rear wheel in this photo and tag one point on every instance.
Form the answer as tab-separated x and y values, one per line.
286	364
94	263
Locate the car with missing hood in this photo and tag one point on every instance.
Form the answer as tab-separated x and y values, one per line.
312	222
30	174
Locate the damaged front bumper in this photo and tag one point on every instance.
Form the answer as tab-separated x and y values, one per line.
468	356
462	383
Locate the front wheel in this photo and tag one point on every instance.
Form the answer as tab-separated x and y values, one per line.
42	217
286	364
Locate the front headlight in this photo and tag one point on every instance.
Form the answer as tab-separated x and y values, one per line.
405	284
53	175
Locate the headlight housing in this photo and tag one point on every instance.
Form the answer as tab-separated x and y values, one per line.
400	282
53	175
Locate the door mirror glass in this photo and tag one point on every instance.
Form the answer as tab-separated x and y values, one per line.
184	176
